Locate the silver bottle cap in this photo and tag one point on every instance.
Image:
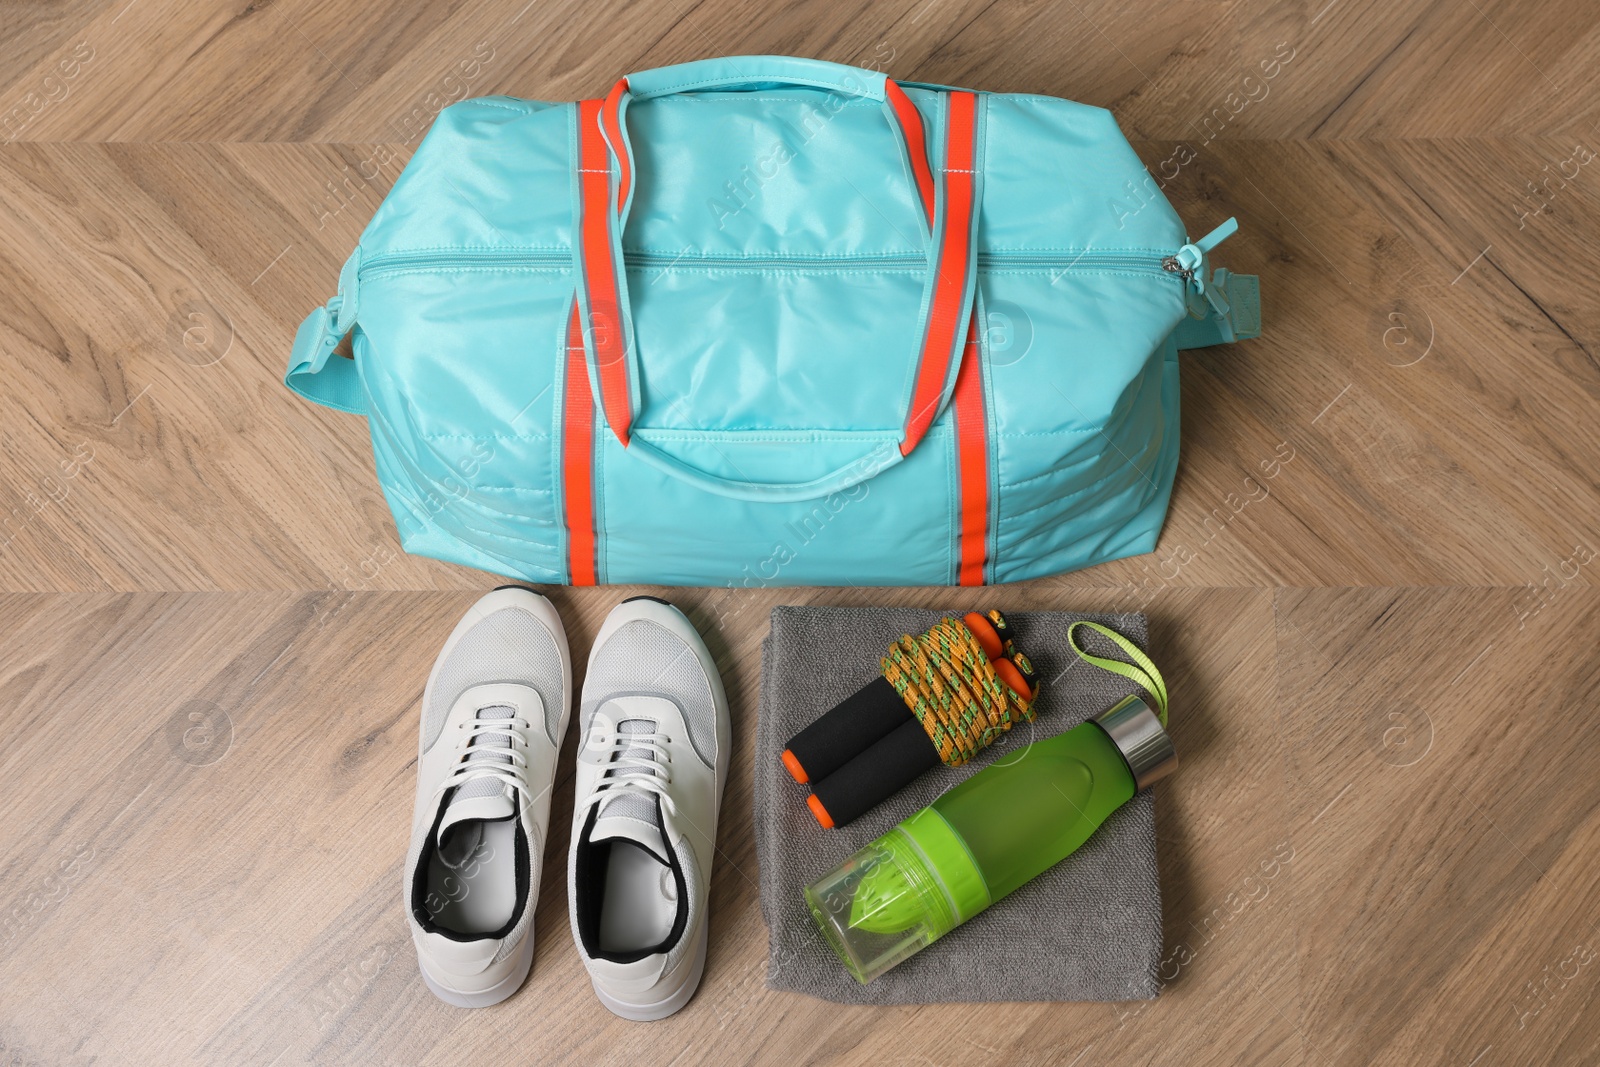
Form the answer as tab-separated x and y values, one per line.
1141	739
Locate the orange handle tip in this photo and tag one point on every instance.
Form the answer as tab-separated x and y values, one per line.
819	812
792	765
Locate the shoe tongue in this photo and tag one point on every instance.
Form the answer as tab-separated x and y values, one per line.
487	797
632	816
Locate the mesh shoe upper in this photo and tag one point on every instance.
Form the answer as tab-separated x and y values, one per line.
643	658
506	646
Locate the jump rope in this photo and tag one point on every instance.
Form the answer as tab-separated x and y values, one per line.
943	696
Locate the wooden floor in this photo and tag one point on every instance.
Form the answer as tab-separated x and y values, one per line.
1375	596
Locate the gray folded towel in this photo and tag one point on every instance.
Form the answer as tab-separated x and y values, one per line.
1087	929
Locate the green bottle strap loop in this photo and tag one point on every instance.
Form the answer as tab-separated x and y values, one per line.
1142	671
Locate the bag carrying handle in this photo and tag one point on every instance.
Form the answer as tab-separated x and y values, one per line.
949	199
747	72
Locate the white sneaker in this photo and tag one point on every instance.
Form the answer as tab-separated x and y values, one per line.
652	760
493	715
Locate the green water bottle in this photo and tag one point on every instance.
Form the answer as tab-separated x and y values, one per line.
994	832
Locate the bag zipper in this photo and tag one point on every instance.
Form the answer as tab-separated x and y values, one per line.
1088	261
559	259
1187	263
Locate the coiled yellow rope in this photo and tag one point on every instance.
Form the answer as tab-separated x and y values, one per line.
953	690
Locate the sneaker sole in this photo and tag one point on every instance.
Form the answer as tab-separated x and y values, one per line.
495	993
668	1005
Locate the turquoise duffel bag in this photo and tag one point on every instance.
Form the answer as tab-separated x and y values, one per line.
764	321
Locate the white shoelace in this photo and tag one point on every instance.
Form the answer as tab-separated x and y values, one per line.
629	774
480	761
